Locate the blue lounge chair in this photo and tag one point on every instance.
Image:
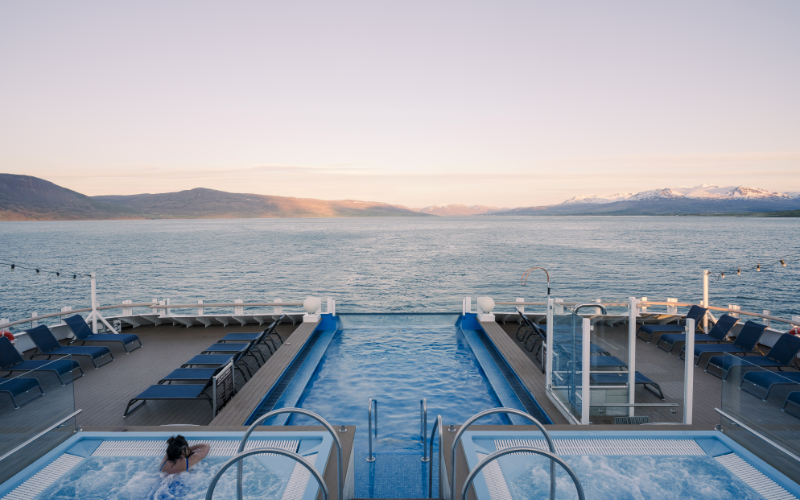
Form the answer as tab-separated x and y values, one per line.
622	379
607	362
49	346
175	392
527	328
745	343
11	360
16	387
266	337
696	313
84	334
190	375
782	355
792	404
219	360
717	334
760	383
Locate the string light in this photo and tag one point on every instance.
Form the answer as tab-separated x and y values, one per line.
40	270
757	268
783	263
722	274
739	271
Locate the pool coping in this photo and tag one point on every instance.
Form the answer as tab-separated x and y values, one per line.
310	493
481	490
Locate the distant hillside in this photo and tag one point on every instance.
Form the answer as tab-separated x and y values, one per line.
456	210
23	197
201	203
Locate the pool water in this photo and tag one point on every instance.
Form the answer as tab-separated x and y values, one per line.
627	478
138	478
397	366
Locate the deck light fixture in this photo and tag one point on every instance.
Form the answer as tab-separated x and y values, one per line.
313	306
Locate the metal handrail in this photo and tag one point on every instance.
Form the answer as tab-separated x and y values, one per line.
596	304
34	438
278	451
224	304
423	428
492	411
436	425
371	457
757	434
522	449
300	411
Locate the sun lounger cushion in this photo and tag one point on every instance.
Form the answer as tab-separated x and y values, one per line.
16	387
765	380
210	359
83	333
190	374
170	392
227	347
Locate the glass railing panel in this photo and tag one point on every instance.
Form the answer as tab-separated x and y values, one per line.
31	402
566	381
768	402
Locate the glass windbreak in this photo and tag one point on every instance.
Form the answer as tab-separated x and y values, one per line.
34	396
566	376
768	402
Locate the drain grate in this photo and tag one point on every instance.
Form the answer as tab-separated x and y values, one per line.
44	478
762	485
610	447
153	448
495	480
519	390
268	404
298	480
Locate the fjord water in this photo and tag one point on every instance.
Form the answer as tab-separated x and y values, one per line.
400	264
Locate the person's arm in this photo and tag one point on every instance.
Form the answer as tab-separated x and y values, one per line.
199	452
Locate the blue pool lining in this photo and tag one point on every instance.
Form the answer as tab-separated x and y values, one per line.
323	450
327	322
471	450
470	322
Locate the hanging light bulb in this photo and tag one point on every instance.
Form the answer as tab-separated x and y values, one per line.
37	271
739	271
58	274
12	267
722	274
758	267
783	263
74	276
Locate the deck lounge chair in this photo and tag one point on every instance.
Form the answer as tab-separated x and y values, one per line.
622	379
16	387
166	392
11	361
717	334
792	404
190	375
49	346
219	360
84	334
696	313
760	383
782	355
745	343
266	338
527	328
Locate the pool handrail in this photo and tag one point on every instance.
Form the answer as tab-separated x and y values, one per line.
595	304
492	411
371	457
522	449
437	425
423	424
300	411
258	451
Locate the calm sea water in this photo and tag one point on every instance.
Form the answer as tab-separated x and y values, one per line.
400	264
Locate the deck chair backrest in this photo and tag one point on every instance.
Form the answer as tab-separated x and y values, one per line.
785	349
748	337
9	356
696	313
723	326
43	338
79	327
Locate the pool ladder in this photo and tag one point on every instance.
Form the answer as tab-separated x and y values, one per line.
423	426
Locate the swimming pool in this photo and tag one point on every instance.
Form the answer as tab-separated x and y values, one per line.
124	466
625	465
397	360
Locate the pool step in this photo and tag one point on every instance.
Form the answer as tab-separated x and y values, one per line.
762	485
156	448
610	447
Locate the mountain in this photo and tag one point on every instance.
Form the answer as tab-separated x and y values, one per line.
454	210
703	199
23	197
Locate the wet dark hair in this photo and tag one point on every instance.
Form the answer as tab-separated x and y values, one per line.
175	447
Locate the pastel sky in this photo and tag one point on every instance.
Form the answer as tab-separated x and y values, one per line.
511	103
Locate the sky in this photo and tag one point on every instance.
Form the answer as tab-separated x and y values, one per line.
512	103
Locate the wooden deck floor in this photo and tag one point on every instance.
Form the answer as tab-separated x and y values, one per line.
103	393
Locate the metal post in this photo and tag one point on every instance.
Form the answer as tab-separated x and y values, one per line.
200	307
586	368
688	376
632	308
423	414
371	457
521	308
549	354
93	315
705	301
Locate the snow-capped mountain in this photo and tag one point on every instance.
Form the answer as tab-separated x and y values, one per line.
599	199
704	192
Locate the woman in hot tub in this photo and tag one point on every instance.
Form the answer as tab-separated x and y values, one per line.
180	456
